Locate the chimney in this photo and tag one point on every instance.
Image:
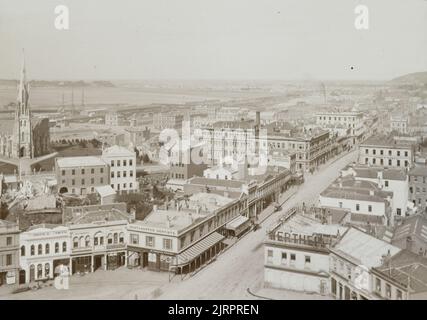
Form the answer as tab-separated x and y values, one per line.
371	192
258	119
168	222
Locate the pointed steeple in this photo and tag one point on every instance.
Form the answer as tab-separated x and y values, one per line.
23	88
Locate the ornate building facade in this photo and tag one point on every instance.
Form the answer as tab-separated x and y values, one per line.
28	137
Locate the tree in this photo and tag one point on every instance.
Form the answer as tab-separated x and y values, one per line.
4	211
145	158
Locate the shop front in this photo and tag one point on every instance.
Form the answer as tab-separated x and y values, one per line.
237	226
198	254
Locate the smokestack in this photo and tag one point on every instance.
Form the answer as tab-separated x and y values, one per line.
258	118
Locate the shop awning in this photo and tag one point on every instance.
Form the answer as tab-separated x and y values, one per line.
197	249
236	223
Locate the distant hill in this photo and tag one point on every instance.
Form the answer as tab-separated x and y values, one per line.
58	83
416	77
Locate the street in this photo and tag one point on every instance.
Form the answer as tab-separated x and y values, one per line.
230	276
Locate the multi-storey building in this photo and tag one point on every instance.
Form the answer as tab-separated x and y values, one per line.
42	249
352	120
226	141
418	187
388	179
172	120
312	147
80	175
351	261
296	254
9	252
98	236
386	152
364	200
399	123
182	238
122	167
400	277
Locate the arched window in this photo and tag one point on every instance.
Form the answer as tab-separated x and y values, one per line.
40	249
75	242
98	239
64	246
87	241
22	251
47	270
47	248
110	239
56	247
39	271
122	237
82	241
33	249
116	238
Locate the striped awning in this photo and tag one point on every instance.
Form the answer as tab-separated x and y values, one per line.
236	222
197	249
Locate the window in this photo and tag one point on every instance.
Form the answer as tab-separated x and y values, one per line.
32	250
134	238
47	248
124	163
366	151
131	173
83	181
22	251
73	172
374	151
270	256
92	171
75	242
388	290
73	182
378	285
101	170
398	163
116	238
386	183
389	162
112	163
8	259
406	153
92	180
118	163
369	208
167	244
284	258
83	171
398	294
112	174
110	239
389	152
124	174
307	259
101	180
63	172
340	204
9	241
64	246
87	241
56	247
149	241
398	153
357	207
118	174
130	162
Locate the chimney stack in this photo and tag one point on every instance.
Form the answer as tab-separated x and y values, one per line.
258	118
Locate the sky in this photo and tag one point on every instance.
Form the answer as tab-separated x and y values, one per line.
213	39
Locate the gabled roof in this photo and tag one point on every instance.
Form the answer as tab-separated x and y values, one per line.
415	225
363	249
117	151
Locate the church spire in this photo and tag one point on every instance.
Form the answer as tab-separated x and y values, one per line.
23	89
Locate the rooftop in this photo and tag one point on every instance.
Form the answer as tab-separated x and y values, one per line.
415	225
105	191
387	173
363	249
75	162
384	141
117	151
418	171
406	268
95	213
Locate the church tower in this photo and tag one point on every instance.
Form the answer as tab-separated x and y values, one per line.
23	146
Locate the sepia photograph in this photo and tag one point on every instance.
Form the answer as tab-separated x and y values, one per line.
240	151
